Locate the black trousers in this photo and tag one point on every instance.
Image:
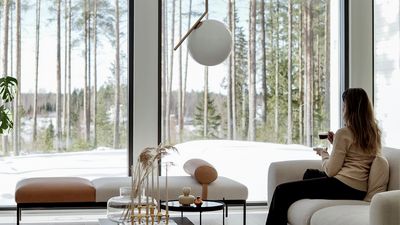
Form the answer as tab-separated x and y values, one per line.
315	185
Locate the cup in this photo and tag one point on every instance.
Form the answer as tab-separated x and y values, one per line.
323	135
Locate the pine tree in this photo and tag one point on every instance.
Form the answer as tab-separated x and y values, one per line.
213	119
241	87
49	136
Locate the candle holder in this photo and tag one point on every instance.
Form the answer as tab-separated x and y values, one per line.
137	204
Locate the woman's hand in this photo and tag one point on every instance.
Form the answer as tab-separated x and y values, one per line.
319	150
330	136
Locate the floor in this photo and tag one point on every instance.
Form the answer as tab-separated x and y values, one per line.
256	215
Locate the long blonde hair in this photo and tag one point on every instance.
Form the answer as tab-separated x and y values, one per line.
360	119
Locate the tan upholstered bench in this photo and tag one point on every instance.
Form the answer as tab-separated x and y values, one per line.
49	192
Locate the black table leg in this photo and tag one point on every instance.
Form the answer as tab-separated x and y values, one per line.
18	215
200	218
223	216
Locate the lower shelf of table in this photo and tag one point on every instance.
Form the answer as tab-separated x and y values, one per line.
173	221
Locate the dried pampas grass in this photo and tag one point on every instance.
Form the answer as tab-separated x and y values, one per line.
147	162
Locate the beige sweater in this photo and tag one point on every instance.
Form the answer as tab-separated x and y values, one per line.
347	162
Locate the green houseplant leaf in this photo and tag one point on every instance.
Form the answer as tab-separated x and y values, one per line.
8	87
5	119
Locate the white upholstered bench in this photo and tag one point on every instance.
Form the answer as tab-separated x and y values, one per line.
222	189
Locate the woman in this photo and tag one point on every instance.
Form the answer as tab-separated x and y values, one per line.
346	170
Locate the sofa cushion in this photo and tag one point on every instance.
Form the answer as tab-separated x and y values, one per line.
301	211
378	177
342	215
107	187
54	190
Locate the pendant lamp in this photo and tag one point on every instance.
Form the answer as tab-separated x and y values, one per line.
209	41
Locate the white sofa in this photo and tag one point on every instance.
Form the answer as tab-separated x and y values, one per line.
384	208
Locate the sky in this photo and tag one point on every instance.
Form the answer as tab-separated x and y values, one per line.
48	42
48	50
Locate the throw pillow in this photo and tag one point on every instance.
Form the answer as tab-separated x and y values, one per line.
378	177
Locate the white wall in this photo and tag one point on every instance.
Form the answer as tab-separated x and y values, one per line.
145	108
361	47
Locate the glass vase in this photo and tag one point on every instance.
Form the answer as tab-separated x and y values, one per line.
119	207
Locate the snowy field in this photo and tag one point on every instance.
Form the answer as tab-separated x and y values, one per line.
246	162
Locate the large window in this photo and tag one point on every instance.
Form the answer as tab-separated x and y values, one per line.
71	111
387	68
268	101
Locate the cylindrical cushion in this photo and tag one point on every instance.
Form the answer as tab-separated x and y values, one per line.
54	190
203	171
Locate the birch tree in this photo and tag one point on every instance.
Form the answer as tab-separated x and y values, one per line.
180	84
263	43
205	103
231	96
252	72
86	82
289	117
276	124
68	118
170	77
186	62
300	60
6	12
37	47
117	78
95	73
309	71
65	96
17	102
327	63
164	73
58	98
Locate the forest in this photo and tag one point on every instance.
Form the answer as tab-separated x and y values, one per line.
275	85
87	41
276	81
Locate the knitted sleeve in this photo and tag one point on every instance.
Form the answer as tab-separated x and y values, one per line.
342	141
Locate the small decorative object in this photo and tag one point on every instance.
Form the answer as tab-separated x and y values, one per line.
198	202
186	199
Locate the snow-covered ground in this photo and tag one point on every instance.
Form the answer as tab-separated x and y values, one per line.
246	162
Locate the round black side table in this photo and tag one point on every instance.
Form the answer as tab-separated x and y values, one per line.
207	206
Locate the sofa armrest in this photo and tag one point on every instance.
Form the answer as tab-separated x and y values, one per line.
286	171
385	208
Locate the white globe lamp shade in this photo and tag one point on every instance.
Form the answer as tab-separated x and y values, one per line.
210	43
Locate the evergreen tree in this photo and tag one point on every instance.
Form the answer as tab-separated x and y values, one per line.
213	119
49	136
241	87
